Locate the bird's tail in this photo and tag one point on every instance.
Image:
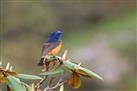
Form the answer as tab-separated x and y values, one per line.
41	62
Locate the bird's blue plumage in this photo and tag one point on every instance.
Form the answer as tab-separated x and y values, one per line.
55	36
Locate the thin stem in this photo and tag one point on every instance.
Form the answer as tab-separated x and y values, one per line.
49	85
51	80
54	87
59	83
41	81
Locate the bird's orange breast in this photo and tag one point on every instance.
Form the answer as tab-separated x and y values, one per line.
55	50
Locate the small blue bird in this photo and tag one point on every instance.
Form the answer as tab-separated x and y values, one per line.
52	46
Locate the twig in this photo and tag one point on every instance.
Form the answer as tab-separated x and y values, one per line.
54	87
59	83
41	81
51	80
49	84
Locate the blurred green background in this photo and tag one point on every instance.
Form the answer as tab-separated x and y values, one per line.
99	33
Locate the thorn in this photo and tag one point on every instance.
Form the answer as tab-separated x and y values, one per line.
0	63
64	55
8	66
61	88
33	87
79	64
11	68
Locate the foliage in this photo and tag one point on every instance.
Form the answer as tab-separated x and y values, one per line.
60	67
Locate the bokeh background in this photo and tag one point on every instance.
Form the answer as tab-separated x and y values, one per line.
99	33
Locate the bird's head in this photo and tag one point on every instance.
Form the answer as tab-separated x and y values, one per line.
55	36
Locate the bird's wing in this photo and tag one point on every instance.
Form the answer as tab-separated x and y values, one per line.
47	47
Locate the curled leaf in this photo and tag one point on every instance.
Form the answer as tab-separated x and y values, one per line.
2	80
1	70
13	73
75	81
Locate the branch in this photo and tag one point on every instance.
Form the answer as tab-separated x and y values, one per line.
59	83
54	87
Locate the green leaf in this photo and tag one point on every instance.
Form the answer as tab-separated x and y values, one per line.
53	72
15	84
28	77
81	70
89	73
69	64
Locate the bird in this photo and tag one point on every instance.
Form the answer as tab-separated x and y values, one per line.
52	46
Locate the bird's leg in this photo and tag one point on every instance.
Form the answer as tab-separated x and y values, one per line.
45	58
46	64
